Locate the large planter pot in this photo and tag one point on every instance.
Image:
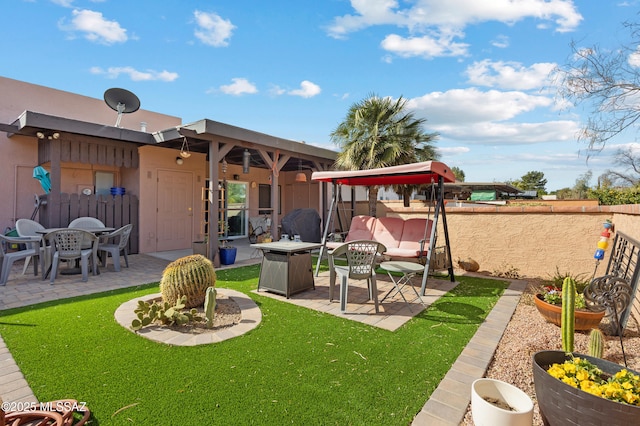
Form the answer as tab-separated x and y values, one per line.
497	403
585	320
228	255
561	404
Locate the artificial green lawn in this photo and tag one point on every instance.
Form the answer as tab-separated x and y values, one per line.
299	366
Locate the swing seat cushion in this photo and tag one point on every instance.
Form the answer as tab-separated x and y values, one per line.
403	238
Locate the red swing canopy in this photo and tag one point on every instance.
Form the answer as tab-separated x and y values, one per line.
425	172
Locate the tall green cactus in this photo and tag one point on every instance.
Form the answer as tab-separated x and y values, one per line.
568	319
596	346
189	276
210	306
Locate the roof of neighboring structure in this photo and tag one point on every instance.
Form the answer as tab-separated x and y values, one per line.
460	187
407	174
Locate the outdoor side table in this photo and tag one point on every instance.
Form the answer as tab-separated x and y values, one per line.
286	267
408	271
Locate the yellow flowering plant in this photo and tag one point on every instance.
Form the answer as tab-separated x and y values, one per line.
624	386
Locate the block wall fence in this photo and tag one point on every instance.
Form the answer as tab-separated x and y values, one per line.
533	240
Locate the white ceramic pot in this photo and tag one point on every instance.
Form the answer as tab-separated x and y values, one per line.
485	413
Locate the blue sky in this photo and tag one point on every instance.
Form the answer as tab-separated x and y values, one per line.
476	70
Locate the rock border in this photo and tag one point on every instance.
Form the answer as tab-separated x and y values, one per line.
251	317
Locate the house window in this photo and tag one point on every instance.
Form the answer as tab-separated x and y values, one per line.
104	182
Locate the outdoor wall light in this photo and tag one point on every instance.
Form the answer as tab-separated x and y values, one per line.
246	158
224	166
179	161
54	135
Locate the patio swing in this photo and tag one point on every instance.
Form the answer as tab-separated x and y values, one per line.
428	172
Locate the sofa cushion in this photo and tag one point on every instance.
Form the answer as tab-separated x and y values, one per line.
361	228
412	233
388	231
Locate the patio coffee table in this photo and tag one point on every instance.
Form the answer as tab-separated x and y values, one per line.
408	271
286	267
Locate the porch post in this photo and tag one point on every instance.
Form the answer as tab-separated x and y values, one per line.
212	231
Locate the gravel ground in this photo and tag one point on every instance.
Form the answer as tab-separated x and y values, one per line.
528	333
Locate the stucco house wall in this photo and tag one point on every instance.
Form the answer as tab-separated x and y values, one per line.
19	188
20	153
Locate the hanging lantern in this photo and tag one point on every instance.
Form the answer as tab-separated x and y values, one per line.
300	176
246	159
184	150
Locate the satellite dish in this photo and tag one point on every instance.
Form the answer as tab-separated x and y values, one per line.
121	100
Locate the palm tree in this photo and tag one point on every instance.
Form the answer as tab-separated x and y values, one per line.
380	132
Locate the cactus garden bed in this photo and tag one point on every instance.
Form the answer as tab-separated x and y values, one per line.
236	314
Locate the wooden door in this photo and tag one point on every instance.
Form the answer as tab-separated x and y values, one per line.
175	210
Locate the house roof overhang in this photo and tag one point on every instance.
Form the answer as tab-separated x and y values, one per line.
29	123
199	133
407	174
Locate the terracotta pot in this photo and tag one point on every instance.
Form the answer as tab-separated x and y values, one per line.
561	404
585	320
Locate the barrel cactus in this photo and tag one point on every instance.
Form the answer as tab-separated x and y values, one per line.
188	276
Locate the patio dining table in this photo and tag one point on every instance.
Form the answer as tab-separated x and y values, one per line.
48	252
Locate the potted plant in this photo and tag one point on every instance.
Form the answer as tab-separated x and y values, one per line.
549	303
581	389
227	253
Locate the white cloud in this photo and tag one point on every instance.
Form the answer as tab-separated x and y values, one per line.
96	28
501	42
511	133
472	105
307	90
453	14
212	29
240	86
489	117
135	75
276	90
454	150
63	3
432	25
426	46
509	75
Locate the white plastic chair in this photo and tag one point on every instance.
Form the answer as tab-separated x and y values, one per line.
361	259
28	228
67	245
9	257
86	222
119	245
